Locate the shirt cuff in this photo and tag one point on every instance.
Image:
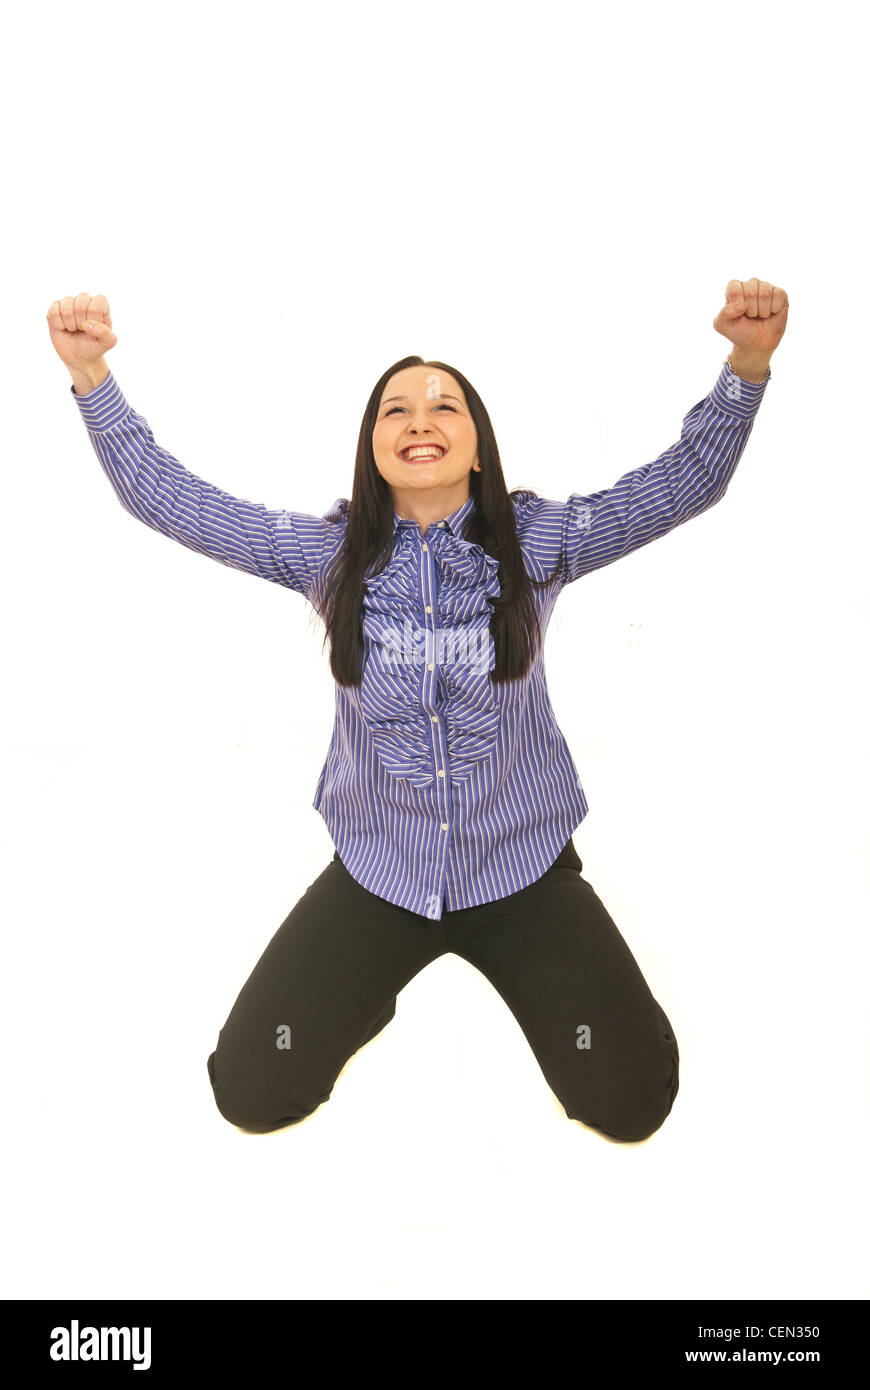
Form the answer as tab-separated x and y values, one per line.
103	407
736	396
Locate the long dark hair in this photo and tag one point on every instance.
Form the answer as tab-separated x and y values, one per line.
514	625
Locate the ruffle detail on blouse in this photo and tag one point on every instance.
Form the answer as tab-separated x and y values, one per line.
397	650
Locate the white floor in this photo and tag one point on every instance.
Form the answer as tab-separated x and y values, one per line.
442	1166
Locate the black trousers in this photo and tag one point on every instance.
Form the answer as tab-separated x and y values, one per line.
327	983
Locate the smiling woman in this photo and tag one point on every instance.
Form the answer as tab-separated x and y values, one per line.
448	789
430	406
423	425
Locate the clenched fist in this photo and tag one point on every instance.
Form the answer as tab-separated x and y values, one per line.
81	329
753	317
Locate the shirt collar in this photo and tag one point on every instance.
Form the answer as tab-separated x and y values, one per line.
452	523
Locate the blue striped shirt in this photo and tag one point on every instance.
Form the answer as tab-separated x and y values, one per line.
440	789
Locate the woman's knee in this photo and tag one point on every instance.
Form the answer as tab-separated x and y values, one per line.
632	1111
242	1105
633	1126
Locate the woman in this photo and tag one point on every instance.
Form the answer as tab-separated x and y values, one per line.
448	789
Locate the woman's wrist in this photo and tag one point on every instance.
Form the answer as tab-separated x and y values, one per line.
750	366
88	378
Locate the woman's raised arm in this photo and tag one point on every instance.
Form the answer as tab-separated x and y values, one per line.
594	529
684	481
287	548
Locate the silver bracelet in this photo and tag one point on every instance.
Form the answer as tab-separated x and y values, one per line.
727	363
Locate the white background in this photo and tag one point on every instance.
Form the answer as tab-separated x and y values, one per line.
279	201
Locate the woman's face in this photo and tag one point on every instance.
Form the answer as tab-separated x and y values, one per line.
422	408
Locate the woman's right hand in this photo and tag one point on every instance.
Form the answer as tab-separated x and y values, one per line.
81	329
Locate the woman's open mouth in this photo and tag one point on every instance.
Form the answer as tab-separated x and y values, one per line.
422	453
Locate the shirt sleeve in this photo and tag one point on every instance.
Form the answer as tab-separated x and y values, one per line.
284	547
594	529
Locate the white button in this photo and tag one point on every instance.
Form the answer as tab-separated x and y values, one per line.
444	825
440	772
430	666
428	608
434	718
425	546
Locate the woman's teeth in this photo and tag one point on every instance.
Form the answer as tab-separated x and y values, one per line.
424	452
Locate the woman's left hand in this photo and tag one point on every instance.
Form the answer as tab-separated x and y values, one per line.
754	316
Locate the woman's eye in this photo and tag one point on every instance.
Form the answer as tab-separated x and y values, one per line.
442	405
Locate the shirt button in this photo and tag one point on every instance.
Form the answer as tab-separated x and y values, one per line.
425	546
428	608
434	718
430	666
440	772
444	825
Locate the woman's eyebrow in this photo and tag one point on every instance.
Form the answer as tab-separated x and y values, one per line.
443	397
